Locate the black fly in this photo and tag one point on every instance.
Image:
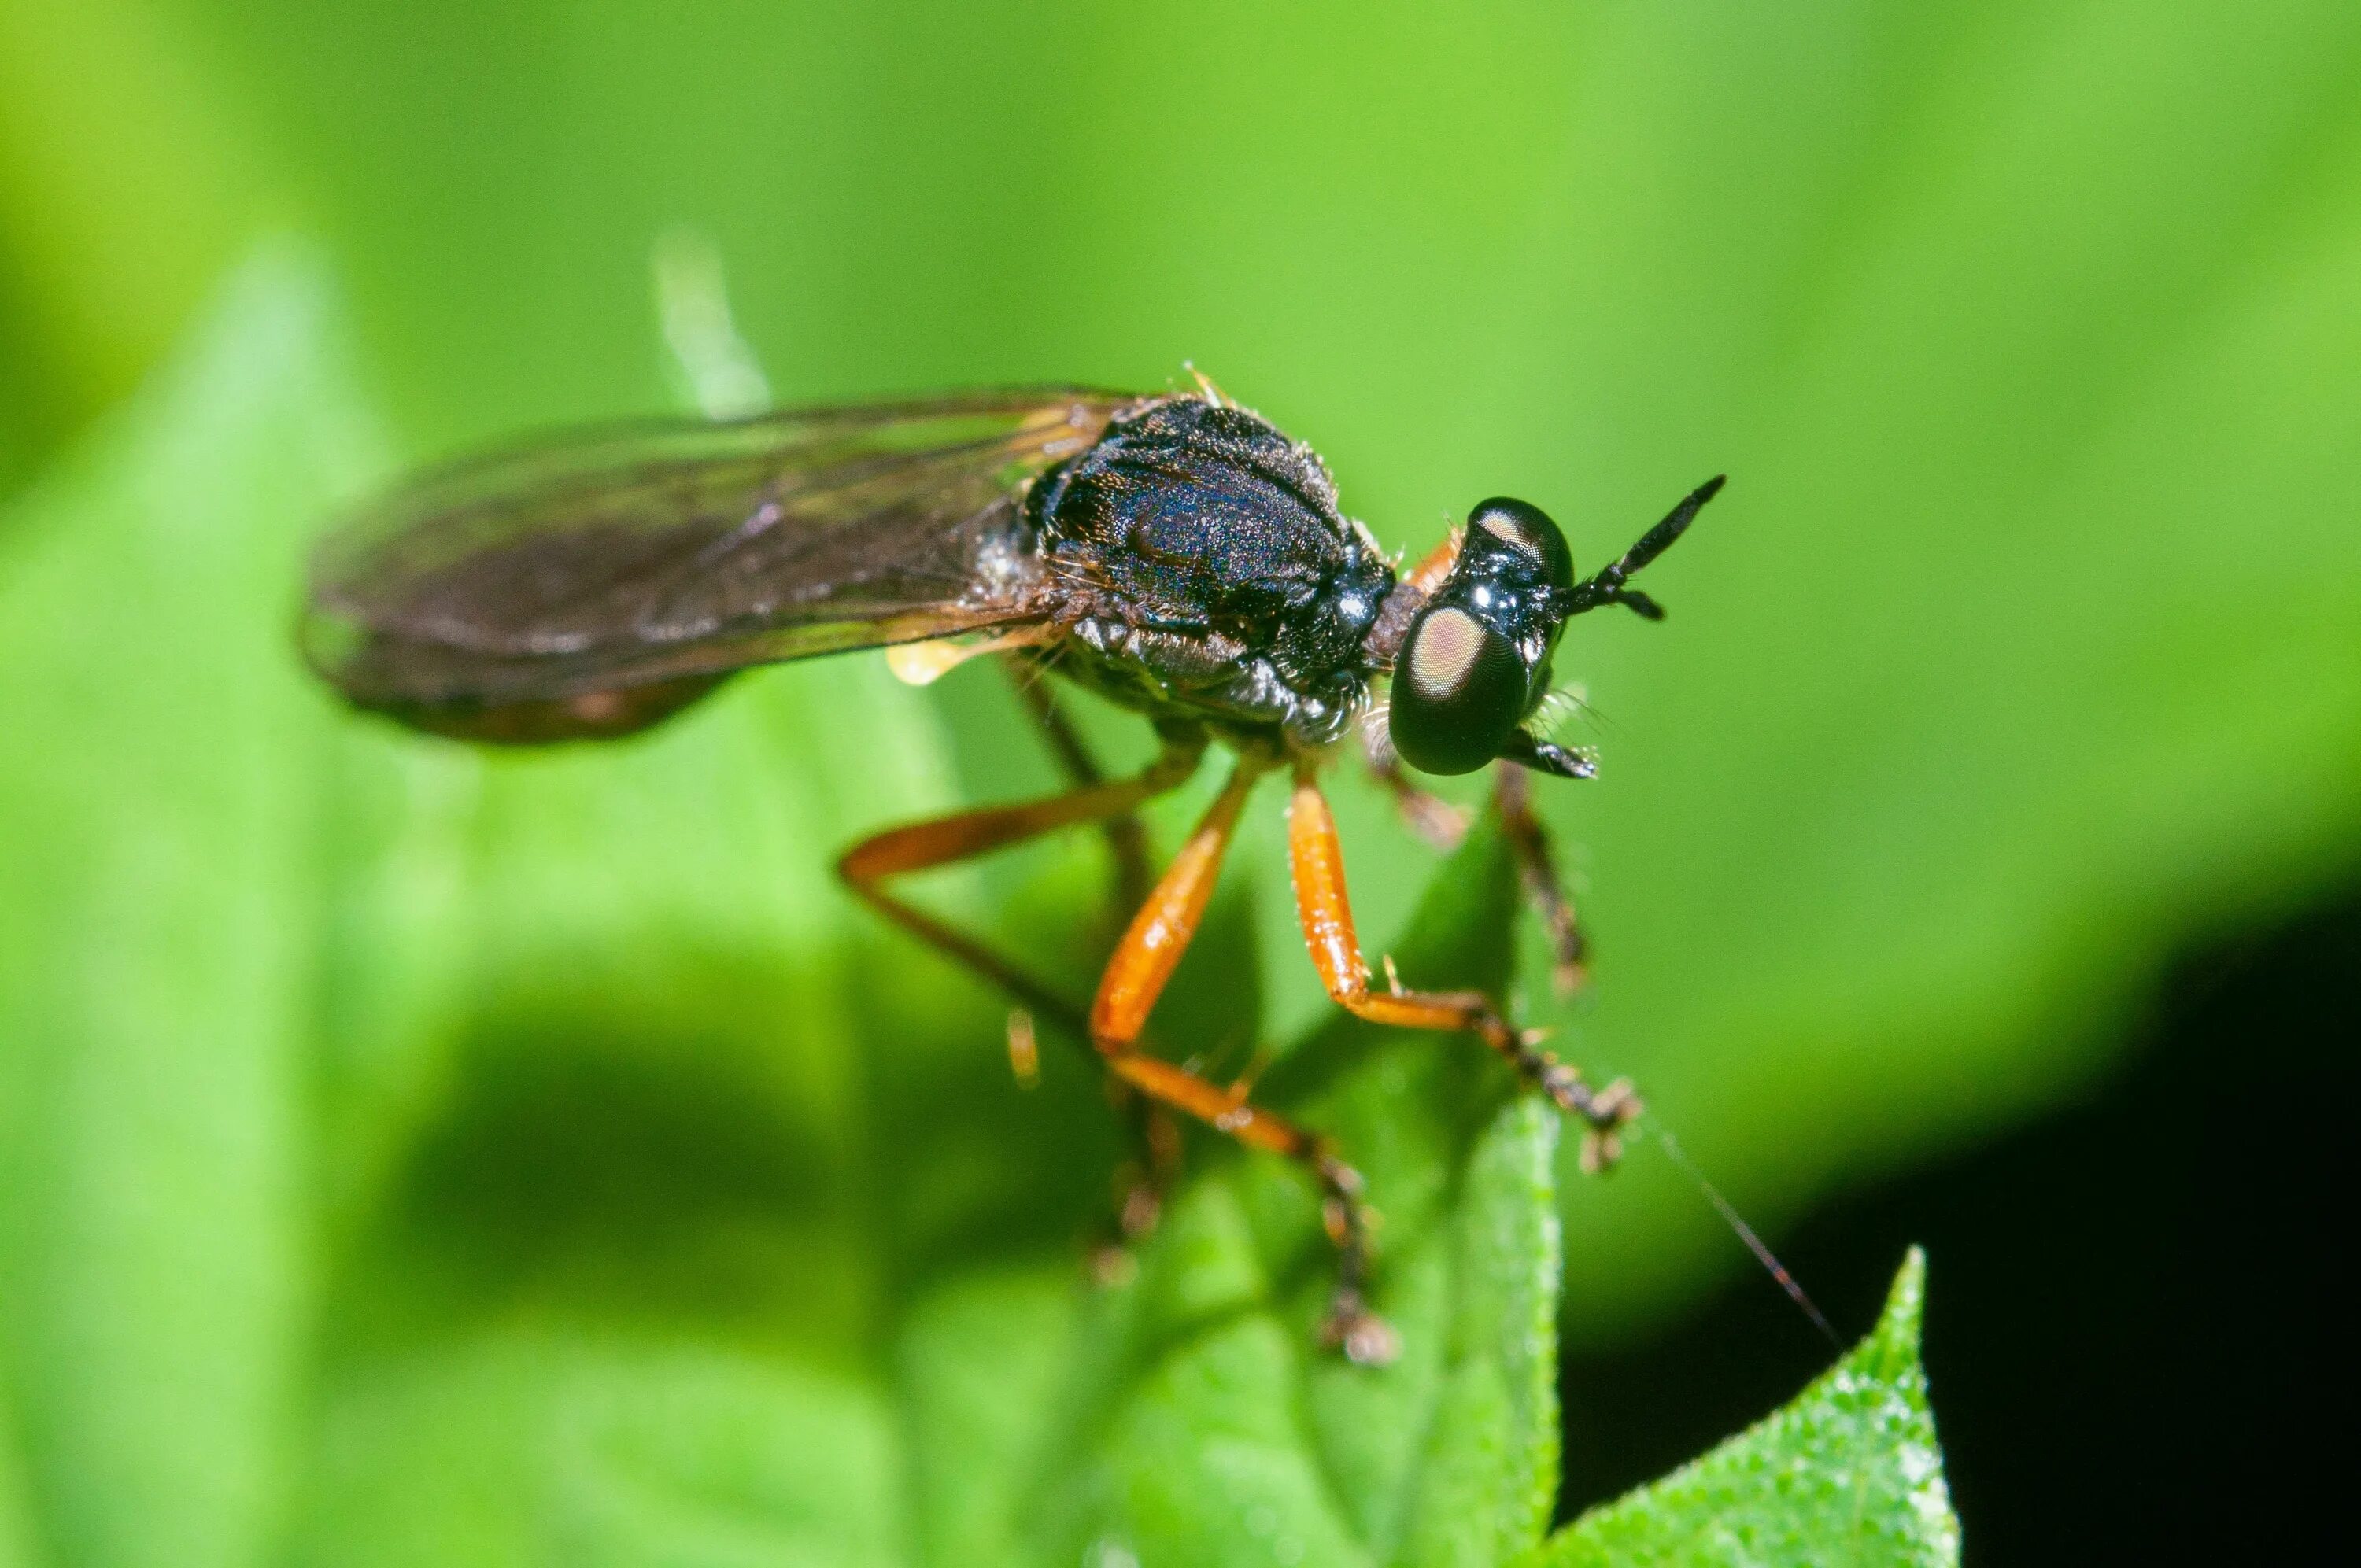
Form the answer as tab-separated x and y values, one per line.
1177	554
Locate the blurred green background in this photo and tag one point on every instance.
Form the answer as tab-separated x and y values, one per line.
2025	647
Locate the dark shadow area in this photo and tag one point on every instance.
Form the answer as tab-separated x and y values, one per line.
2133	1333
551	1149
614	1148
626	1146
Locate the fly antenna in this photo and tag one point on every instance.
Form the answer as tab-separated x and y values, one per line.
1744	1231
1607	586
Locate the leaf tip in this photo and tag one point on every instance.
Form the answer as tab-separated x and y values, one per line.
1893	1343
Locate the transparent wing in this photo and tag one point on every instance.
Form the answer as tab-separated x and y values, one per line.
594	582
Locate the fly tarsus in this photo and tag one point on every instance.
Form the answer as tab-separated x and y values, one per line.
1536	857
1351	1326
1326	915
1136	978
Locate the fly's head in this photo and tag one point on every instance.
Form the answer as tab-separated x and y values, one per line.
1474	663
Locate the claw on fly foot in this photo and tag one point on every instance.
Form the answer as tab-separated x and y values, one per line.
1366	1339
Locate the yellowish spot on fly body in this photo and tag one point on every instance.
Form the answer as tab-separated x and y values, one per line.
924	664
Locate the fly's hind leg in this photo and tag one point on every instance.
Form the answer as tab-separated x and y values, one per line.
1136	976
1326	915
921	845
944	841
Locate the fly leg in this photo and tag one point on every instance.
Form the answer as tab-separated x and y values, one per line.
1426	813
1136	977
1326	915
920	846
1528	840
1430	816
1155	1137
944	841
1126	838
1443	825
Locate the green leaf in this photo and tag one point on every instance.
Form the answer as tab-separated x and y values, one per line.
989	1407
155	1264
1848	1473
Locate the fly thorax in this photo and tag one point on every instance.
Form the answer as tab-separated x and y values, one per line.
1199	545
1321	637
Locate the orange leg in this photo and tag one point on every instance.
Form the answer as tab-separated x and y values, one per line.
920	846
1409	595
1428	815
1326	915
1528	840
1435	564
1136	977
1154	1132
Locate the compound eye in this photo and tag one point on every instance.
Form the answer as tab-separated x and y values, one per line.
1526	528
1458	690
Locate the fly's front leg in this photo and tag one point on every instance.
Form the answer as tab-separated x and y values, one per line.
1325	913
1136	976
1426	813
1528	840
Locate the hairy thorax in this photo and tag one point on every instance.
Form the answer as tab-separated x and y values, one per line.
1200	560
